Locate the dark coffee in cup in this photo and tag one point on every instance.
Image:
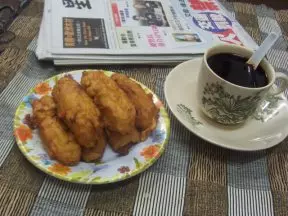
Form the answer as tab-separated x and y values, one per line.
233	68
221	92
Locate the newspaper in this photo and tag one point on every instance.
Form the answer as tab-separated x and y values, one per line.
144	30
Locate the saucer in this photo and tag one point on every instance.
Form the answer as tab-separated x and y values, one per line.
266	128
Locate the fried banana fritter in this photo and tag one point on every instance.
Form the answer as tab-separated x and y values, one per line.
118	112
122	143
146	111
78	111
95	153
59	143
43	108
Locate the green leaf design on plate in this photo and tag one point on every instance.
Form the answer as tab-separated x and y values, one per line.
227	108
137	163
96	179
22	106
20	112
35	158
126	175
80	175
117	175
31	91
55	79
187	115
17	123
25	148
267	107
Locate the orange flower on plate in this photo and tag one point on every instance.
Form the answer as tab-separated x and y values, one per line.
23	133
59	169
42	88
150	152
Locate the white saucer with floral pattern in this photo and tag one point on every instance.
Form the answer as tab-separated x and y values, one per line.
268	126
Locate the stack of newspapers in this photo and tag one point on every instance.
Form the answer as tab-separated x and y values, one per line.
134	31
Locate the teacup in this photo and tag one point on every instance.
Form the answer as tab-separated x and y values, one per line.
228	103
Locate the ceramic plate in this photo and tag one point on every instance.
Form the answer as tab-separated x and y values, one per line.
111	168
265	129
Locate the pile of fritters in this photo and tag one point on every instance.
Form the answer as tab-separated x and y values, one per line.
78	119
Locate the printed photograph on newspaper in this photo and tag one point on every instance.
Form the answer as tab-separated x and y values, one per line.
144	13
150	25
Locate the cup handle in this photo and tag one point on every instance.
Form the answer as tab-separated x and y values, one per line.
283	78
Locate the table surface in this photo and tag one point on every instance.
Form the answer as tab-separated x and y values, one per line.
191	178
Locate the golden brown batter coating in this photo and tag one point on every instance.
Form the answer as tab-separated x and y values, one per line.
43	108
122	143
78	112
118	112
59	143
146	111
95	153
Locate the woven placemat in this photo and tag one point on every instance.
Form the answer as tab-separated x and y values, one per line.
191	178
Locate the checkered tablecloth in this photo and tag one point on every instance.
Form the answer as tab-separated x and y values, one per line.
191	178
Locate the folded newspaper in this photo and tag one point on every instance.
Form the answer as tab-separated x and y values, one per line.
134	31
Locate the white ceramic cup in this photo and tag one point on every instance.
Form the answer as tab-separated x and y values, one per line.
226	102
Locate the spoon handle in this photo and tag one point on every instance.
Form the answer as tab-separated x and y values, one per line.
259	54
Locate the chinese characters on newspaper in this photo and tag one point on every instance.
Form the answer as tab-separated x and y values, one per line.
79	4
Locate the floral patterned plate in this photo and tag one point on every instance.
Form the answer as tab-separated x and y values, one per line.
111	168
265	129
